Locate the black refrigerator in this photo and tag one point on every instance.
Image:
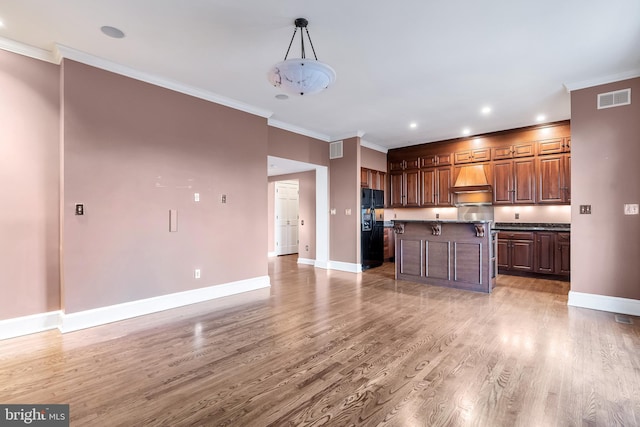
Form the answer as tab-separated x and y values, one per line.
371	228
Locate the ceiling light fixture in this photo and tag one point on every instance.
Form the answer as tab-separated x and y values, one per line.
301	76
486	110
541	118
466	131
413	125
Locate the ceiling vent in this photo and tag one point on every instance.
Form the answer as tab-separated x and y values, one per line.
614	99
335	150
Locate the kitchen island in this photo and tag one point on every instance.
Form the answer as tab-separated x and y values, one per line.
456	254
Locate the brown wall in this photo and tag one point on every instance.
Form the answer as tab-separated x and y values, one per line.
373	159
289	145
344	179
29	194
134	151
307	212
605	148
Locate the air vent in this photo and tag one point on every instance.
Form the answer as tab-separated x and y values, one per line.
614	99
335	150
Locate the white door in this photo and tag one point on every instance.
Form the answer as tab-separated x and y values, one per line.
286	205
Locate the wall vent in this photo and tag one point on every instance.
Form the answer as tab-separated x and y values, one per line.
614	99
335	150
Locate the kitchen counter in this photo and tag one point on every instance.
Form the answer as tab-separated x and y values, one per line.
456	254
531	226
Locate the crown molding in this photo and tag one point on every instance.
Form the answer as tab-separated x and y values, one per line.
632	74
356	134
373	146
299	130
27	50
104	64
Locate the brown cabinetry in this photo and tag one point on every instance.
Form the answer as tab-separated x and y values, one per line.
389	244
515	251
404	188
398	165
374	179
563	254
554	179
545	252
514	151
435	187
554	146
514	181
471	156
435	160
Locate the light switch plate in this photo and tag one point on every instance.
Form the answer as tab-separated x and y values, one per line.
196	273
333	211
631	209
196	197
347	211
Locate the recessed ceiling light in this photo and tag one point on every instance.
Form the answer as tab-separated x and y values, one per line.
485	110
112	32
466	131
541	118
1	24
413	125
282	96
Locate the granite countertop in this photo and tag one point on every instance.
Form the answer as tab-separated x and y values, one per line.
531	226
447	221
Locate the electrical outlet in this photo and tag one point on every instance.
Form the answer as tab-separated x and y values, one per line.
585	209
223	198
196	273
306	248
437	216
631	209
347	211
517	215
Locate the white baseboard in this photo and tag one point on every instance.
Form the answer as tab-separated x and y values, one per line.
604	303
321	264
345	266
306	261
100	316
271	254
18	326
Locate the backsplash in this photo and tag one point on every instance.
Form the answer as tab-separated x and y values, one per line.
537	214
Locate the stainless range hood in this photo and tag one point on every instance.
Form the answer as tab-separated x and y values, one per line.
471	187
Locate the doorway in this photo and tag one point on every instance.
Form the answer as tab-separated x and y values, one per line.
287	217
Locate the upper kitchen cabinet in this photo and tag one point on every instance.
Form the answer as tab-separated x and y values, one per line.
404	188
554	179
514	181
435	187
471	156
514	151
435	160
400	165
370	178
554	146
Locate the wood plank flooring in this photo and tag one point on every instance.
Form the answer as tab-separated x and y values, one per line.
338	349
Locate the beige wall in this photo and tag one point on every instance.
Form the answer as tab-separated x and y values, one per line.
372	159
134	151
289	145
29	194
605	148
344	178
307	212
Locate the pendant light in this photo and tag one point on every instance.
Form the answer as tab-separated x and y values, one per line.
301	76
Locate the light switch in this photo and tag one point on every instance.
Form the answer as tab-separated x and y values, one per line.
223	198
631	209
347	211
333	211
196	197
79	209
585	209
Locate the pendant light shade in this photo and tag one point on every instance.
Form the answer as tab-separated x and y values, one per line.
301	76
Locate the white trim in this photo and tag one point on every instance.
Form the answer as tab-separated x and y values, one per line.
373	146
356	134
306	261
18	326
604	303
632	74
321	264
104	64
27	50
345	266
100	316
297	129
271	254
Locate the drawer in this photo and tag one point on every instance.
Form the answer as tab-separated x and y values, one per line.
564	237
515	235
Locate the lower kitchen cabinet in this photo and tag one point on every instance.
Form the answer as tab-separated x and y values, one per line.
515	251
544	252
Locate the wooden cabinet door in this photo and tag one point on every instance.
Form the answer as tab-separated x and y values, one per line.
503	253
501	153
545	252
428	187
463	157
443	188
428	161
567	178
503	182
524	181
527	149
563	254
397	165
550	179
522	255
365	175
412	188
551	146
396	194
481	155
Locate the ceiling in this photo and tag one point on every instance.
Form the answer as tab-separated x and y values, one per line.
436	64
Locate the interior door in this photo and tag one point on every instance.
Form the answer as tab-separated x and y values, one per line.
287	205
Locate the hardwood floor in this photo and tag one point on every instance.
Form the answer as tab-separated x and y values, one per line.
333	348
